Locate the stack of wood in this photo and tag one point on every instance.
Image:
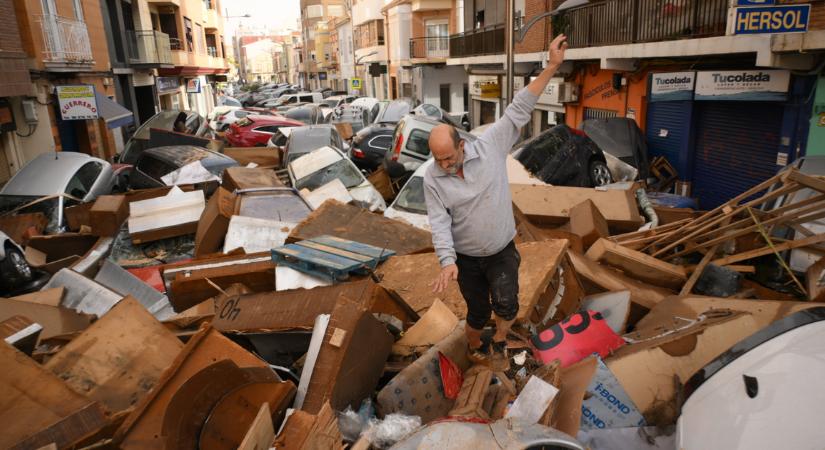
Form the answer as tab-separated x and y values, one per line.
769	219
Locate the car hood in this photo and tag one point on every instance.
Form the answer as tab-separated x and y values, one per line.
420	221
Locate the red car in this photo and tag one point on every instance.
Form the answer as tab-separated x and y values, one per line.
255	130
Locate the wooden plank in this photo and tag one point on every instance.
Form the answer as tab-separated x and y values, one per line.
611	280
261	433
637	264
50	297
356	247
697	271
119	358
813	182
317	257
56	321
336	251
587	222
768	250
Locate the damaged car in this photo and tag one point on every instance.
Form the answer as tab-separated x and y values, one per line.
156	163
565	156
326	164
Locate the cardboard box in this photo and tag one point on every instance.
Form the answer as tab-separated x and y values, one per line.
266	157
55	252
552	204
175	214
246	178
638	265
17	226
108	214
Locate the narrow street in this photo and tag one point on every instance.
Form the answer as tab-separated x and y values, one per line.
412	224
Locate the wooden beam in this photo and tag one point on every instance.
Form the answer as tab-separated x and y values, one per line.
768	250
637	264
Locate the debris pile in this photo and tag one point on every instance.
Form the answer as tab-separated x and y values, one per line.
244	316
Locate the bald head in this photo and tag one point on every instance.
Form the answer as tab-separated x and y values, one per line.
447	148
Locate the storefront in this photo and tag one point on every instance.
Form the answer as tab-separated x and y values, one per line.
549	110
607	93
726	131
169	93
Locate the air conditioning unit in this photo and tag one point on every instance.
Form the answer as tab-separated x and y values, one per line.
568	93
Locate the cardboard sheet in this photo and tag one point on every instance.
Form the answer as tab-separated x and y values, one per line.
433	326
255	235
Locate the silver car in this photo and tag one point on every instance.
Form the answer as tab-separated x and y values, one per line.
76	174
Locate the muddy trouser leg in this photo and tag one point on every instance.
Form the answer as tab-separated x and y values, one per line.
501	271
472	282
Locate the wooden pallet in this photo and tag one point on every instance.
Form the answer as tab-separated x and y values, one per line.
330	257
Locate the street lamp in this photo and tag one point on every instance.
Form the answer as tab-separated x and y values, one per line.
569	4
245	16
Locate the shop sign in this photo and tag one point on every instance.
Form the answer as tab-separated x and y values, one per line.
755	2
7	122
193	86
166	84
672	86
743	85
772	19
484	86
77	102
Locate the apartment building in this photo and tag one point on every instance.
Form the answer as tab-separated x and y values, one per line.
342	51
315	58
259	65
14	83
65	45
371	57
196	38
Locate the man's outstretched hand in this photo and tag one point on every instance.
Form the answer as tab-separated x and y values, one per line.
556	54
448	273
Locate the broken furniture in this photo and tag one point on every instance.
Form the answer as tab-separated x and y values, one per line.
175	214
330	257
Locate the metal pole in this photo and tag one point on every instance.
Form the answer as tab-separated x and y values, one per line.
510	42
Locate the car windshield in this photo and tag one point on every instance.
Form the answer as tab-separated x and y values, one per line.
332	103
307	142
50	208
411	198
394	112
341	169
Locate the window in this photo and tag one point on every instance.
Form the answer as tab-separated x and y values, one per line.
190	40
83	180
380	142
78	10
269	129
199	39
208	4
313	11
335	10
154	167
417	142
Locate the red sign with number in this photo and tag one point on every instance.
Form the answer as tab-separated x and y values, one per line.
576	338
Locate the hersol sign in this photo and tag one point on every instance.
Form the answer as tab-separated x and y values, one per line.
743	85
77	102
672	86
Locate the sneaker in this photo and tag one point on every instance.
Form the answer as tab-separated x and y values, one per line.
480	355
500	362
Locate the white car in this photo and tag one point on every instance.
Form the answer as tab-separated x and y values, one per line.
409	205
223	121
219	111
321	166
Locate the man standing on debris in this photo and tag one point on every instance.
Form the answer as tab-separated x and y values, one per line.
471	215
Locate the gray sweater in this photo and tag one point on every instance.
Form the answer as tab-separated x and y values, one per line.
474	216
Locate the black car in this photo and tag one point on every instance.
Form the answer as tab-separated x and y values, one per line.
370	145
158	162
564	156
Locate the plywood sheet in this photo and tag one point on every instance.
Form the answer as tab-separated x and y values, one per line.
119	358
56	320
357	224
612	280
36	406
410	277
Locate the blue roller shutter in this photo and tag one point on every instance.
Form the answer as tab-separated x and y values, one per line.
736	146
668	133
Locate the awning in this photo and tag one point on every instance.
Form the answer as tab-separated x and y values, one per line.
114	114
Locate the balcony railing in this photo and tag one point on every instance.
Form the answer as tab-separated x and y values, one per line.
212	51
65	40
483	41
627	21
175	44
430	47
149	47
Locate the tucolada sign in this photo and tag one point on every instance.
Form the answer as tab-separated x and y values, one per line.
743	85
671	86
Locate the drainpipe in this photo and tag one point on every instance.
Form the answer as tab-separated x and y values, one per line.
510	48
388	48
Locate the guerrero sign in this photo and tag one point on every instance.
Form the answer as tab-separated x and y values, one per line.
772	19
672	86
77	102
747	85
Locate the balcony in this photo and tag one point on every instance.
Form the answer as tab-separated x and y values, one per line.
483	41
65	41
212	51
437	48
635	21
149	48
213	20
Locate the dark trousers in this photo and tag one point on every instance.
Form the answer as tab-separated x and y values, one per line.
489	284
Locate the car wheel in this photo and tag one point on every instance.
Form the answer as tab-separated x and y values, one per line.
15	268
600	174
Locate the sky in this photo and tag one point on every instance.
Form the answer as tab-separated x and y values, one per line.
276	14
